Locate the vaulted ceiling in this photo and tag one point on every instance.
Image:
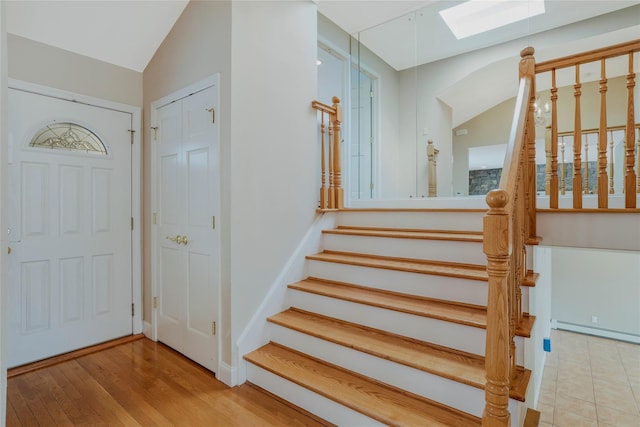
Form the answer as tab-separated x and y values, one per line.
402	32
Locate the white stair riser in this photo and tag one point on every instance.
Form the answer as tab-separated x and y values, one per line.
308	400
427	285
461	221
453	335
436	250
451	393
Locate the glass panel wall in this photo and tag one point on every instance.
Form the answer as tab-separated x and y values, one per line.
405	89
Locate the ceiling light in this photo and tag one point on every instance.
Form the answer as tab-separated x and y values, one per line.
318	62
477	16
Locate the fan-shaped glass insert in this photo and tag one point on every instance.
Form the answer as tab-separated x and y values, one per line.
68	136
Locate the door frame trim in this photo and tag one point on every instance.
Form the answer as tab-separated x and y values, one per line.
136	187
212	80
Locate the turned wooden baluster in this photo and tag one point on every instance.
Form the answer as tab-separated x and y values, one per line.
324	191
630	175
562	172
577	147
332	172
553	185
586	165
611	189
432	154
497	248
638	165
337	160
603	198
547	161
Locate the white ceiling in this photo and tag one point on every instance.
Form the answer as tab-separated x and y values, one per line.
124	33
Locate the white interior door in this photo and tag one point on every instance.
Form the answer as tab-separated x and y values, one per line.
70	283
187	263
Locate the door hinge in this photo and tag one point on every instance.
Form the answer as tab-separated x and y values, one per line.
155	302
213	222
155	132
132	132
371	140
133	310
213	328
371	186
132	223
155	218
371	94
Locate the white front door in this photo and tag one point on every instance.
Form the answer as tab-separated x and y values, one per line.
187	240
70	283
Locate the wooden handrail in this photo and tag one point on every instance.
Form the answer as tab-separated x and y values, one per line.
331	197
506	228
589	56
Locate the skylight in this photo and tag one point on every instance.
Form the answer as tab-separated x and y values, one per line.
478	16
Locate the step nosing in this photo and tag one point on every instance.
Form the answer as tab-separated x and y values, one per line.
430	267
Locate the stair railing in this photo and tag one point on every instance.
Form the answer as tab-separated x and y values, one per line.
580	185
331	196
508	225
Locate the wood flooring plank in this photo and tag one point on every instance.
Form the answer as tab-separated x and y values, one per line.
381	402
40	388
116	380
142	383
23	414
12	417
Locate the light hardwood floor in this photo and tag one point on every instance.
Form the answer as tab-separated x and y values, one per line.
590	381
140	383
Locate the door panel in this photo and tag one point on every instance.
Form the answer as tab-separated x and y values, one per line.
69	229
187	198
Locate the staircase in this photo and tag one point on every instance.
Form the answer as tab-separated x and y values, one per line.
389	326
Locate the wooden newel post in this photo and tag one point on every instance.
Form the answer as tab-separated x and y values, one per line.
337	160
497	248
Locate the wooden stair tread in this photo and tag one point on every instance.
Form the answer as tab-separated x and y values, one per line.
463	236
451	269
530	279
449	311
381	402
448	363
466	314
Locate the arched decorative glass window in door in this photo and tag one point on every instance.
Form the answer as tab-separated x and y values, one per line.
68	136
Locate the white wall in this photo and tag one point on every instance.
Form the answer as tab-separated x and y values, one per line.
50	66
273	145
3	212
601	283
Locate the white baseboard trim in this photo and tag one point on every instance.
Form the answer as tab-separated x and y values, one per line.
147	330
227	374
604	333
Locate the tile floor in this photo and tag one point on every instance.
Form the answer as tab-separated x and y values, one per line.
590	381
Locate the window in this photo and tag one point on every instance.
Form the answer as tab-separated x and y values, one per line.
68	136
